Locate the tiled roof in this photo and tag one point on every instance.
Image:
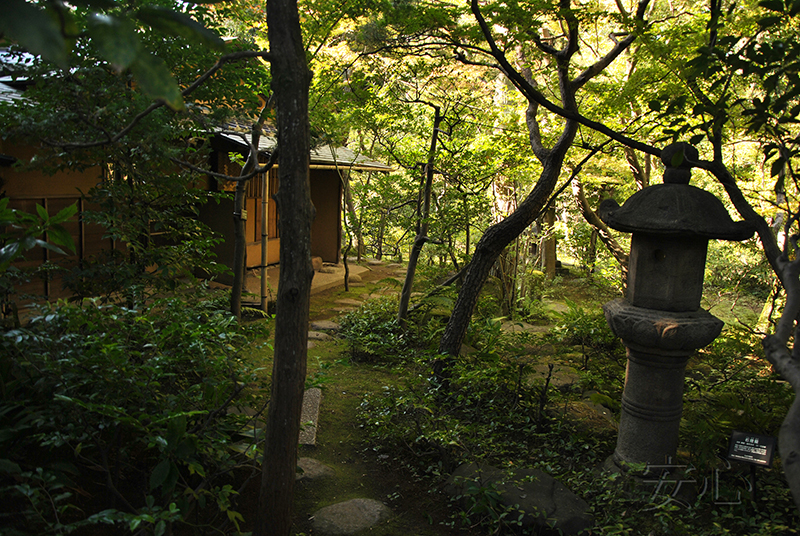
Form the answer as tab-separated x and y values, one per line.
9	94
323	155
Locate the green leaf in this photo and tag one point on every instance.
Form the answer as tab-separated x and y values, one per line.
766	22
42	212
772	5
777	166
34	29
159	474
156	80
61	237
102	4
177	24
697	138
175	430
161	527
65	213
7	466
116	39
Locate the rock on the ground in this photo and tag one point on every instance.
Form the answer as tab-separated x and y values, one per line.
316	263
350	516
319	336
354	278
543	500
311	469
564	378
324	325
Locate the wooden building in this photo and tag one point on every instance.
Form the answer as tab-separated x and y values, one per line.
327	165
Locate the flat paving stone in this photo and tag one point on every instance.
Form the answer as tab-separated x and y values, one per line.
324	325
311	470
563	376
319	336
309	416
350	516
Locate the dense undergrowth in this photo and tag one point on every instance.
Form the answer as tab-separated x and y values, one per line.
502	406
119	417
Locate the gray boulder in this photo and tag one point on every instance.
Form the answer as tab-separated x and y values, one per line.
350	516
543	500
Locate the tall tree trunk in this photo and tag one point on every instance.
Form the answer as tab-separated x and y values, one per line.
290	82
422	222
494	240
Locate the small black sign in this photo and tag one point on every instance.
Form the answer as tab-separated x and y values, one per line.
754	449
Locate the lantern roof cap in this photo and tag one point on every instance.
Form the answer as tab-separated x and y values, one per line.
675	208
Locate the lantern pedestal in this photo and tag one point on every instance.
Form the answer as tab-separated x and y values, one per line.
659	344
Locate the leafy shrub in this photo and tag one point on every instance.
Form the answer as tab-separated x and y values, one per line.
373	333
533	288
589	330
118	416
730	386
738	267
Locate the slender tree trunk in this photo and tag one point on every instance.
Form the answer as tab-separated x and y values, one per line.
549	244
290	83
239	245
602	229
239	218
264	240
350	208
422	222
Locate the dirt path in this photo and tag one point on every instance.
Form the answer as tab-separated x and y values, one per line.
358	472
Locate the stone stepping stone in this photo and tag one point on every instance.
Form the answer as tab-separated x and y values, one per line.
311	470
341	310
562	379
350	301
324	325
375	262
310	345
309	416
515	326
558	307
319	336
350	516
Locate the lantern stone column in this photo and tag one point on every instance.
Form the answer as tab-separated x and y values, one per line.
660	320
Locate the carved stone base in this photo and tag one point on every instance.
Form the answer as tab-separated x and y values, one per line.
662	330
659	345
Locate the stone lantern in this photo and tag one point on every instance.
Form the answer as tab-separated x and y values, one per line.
660	320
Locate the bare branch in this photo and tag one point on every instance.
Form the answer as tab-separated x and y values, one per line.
598	67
